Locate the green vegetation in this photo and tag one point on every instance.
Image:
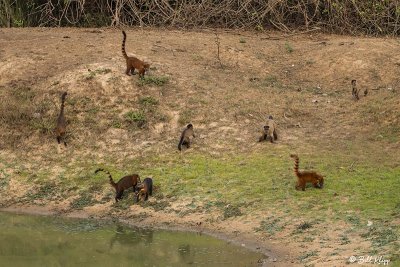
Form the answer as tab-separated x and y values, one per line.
44	192
307	255
156	80
231	211
85	199
93	73
288	48
136	117
381	236
270	225
368	192
148	101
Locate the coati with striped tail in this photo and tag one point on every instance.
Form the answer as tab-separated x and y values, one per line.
123	183
61	122
133	63
306	176
269	131
185	137
144	189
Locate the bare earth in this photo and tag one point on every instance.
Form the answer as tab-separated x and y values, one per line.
304	80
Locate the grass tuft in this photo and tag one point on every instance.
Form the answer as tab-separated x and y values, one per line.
288	47
231	211
136	117
148	80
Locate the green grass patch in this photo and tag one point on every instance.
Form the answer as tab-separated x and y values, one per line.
270	225
381	236
308	255
231	211
288	47
45	190
304	226
155	205
366	191
148	101
153	80
136	117
93	73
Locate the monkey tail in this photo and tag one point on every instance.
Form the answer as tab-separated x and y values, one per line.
109	175
123	45
180	143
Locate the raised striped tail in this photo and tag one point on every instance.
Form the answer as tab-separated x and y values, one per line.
109	175
123	45
296	164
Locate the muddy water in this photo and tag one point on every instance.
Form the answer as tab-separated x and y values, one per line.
27	240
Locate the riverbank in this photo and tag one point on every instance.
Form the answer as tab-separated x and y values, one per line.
227	183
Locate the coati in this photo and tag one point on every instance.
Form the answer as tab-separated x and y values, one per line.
269	131
123	183
133	63
61	122
306	176
144	189
185	136
354	91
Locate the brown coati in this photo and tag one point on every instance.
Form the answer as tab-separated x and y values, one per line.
185	136
306	176
61	122
144	189
269	131
133	63
123	183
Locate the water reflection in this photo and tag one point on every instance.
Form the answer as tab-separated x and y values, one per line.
186	254
131	236
50	241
